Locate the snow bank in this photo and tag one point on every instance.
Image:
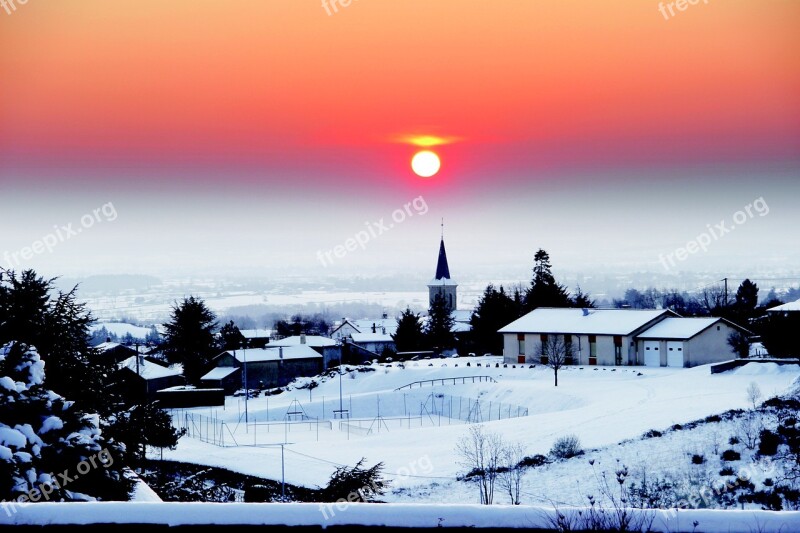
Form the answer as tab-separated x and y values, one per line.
389	515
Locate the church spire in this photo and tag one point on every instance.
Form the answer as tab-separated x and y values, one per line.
442	269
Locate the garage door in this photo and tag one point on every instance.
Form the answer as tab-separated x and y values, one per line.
675	354
652	356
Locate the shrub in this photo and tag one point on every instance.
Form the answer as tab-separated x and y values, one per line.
676	427
768	482
652	434
698	459
726	471
731	455
733	441
566	447
768	442
535	460
713	418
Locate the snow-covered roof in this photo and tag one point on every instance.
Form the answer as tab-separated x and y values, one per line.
678	328
441	282
365	325
259	355
371	337
147	369
791	306
256	333
461	315
584	321
310	340
220	372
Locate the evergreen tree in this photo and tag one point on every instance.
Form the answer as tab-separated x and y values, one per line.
439	329
230	337
409	336
544	290
745	302
189	338
495	309
144	425
582	299
52	451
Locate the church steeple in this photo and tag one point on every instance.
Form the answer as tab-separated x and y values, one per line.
442	284
442	269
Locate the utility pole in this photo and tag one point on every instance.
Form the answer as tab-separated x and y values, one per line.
283	477
726	292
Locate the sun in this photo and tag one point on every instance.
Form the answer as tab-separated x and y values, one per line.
425	164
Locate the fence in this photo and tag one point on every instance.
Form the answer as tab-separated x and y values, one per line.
470	410
447	381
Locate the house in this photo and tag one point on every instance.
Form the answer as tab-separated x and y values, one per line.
344	329
142	378
590	336
228	378
686	342
785	309
272	367
115	351
374	342
256	338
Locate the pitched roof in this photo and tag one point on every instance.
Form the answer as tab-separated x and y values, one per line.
678	328
791	306
371	337
311	340
147	369
585	321
220	372
260	355
442	269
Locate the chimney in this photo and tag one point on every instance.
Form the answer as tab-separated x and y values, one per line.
585	312
385	315
373	327
280	352
108	339
302	338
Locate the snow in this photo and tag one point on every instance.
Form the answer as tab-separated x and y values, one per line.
148	369
371	337
256	333
51	423
308	340
381	324
791	306
442	282
258	355
11	437
120	329
388	515
678	328
592	322
220	372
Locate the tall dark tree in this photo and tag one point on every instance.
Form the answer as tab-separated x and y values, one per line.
230	337
439	329
745	302
143	425
495	309
544	290
582	299
33	313
189	338
409	336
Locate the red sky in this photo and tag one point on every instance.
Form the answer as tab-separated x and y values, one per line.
280	88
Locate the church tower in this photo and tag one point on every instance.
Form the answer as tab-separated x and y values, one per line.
442	283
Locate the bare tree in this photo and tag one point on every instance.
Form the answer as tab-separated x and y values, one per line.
510	475
554	353
714	299
753	394
480	453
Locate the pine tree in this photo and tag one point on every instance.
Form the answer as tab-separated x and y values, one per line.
495	309
51	450
439	329
230	337
544	290
582	299
745	302
189	338
409	336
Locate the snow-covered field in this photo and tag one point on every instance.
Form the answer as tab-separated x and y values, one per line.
603	406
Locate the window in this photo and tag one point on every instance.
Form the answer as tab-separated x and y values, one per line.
592	350
521	343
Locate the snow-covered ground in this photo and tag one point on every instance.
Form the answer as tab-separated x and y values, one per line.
603	406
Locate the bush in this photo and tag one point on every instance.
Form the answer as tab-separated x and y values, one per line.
768	442
535	460
652	434
733	441
566	447
698	459
726	471
731	455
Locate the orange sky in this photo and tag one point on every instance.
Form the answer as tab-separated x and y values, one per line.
280	83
